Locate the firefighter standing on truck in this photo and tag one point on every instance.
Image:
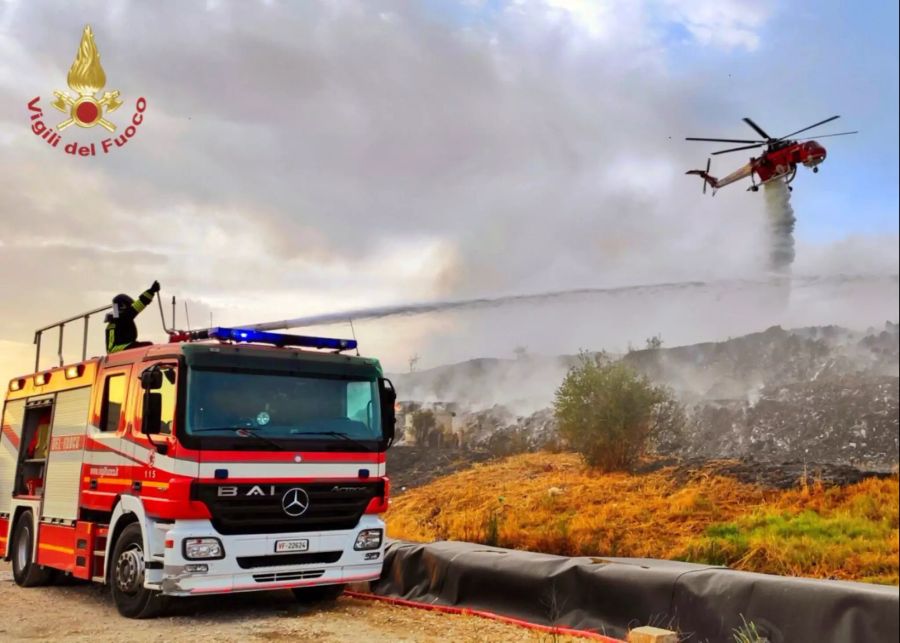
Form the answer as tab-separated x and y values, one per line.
121	332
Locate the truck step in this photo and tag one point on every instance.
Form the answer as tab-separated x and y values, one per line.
98	579
99	552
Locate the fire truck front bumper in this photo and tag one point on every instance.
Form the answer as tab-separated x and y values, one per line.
198	560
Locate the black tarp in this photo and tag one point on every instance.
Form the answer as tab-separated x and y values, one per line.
611	595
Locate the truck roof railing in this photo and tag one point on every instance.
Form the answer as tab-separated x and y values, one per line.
219	332
61	325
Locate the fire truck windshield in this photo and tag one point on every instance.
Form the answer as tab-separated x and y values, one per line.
280	408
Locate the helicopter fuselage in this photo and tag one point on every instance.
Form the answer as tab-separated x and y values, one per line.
782	160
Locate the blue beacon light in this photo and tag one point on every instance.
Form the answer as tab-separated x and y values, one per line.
280	339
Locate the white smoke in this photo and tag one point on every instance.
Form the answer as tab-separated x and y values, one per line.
781	226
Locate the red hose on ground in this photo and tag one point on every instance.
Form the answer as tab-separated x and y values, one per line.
549	629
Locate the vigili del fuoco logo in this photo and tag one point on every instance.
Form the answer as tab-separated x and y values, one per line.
86	79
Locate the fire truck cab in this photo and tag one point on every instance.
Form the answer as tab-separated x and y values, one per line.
234	460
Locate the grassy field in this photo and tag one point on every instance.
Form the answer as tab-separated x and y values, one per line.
553	503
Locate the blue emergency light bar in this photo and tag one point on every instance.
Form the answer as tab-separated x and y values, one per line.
279	339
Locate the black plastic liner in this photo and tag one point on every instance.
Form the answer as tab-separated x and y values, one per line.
612	595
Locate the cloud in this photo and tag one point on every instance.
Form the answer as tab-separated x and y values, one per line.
726	24
306	157
16	358
720	24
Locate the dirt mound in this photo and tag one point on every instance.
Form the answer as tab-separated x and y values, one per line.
851	420
740	368
737	368
773	475
501	432
819	394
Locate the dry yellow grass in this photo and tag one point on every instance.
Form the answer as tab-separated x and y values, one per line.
553	503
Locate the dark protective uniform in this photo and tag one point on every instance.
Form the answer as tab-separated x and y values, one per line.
121	332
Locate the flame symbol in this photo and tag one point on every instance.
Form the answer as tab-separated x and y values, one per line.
86	75
87	78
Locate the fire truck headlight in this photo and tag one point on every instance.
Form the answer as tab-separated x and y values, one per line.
203	548
368	539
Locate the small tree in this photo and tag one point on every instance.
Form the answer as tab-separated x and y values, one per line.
654	342
606	411
423	425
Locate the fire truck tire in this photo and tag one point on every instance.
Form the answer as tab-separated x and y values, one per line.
126	577
318	594
26	572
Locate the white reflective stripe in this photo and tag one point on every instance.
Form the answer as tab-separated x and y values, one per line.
164	463
140	452
140	456
8	445
282	469
182	467
13	415
106	458
67	456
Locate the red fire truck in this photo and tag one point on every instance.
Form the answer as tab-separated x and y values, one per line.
227	460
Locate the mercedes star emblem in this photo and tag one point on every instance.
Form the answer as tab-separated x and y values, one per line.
295	502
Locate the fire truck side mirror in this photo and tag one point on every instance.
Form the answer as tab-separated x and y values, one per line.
388	414
151	415
151	379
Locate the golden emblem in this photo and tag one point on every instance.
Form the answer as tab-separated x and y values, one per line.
86	77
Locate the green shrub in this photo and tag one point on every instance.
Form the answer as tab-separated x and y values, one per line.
607	412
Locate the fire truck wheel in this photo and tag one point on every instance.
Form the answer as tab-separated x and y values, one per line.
318	594
126	577
26	572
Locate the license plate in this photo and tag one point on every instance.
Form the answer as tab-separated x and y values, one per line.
291	545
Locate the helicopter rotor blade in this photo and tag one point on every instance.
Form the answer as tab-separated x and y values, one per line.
737	149
722	140
827	120
809	138
758	129
708	161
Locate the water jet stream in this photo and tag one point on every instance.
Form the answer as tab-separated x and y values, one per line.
419	308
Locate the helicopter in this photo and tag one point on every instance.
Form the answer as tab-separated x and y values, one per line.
780	160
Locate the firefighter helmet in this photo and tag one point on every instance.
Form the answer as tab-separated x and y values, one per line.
120	303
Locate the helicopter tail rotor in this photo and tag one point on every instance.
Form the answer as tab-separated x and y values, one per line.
708	179
708	162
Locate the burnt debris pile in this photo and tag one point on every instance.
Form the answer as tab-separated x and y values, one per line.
819	394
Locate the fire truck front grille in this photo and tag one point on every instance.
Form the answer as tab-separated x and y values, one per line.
317	558
261	508
283	576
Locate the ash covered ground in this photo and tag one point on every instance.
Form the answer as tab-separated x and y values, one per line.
821	399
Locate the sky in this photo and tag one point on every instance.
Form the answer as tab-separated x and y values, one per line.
305	158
